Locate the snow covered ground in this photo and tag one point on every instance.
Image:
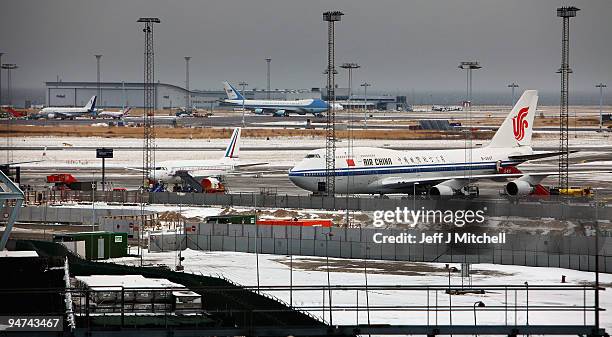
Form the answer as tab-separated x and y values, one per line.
275	271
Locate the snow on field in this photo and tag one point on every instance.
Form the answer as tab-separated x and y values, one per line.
275	271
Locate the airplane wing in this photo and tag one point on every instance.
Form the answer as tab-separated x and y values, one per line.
134	169
526	157
22	162
400	182
239	166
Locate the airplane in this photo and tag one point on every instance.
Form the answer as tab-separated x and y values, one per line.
67	113
175	171
16	113
277	108
443	172
446	108
113	114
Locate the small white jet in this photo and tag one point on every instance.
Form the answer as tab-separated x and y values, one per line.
113	114
67	113
175	171
368	170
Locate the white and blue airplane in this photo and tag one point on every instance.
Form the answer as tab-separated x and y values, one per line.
369	170
67	113
278	108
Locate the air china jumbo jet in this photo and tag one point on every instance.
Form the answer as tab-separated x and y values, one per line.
277	108
212	169
444	172
67	113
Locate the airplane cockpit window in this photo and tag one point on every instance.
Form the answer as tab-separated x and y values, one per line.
313	155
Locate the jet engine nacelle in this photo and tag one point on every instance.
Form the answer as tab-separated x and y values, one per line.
258	111
519	187
441	190
51	116
280	113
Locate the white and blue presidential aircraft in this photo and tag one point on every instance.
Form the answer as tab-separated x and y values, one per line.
369	170
279	108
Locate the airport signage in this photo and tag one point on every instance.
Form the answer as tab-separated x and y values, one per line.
104	153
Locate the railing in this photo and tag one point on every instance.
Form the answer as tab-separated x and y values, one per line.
390	309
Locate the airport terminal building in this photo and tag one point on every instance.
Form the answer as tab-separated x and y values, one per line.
170	96
120	94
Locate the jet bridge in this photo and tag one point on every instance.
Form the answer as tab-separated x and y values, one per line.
10	191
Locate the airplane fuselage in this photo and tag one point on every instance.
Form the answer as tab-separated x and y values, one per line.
167	171
364	170
303	106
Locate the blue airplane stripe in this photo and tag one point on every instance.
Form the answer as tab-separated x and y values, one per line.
509	162
397	169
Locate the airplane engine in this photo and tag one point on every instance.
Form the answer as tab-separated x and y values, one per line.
519	187
280	113
301	112
212	185
441	190
51	116
258	111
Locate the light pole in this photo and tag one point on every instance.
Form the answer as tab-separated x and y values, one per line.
99	90
243	85
188	93
350	67
1	78
327	236
9	67
468	66
512	86
365	86
268	60
365	271
600	86
478	304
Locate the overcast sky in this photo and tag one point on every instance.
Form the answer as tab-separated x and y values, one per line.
401	45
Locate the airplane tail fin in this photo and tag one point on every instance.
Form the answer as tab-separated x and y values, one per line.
127	111
91	105
231	92
233	148
517	128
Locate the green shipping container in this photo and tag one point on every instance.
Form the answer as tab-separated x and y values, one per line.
98	245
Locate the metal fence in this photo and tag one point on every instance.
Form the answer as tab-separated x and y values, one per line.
549	207
572	252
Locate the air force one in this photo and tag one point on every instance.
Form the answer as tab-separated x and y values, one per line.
277	108
443	172
67	113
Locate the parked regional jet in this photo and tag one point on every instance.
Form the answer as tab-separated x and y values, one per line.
16	113
277	108
113	114
444	172
174	171
66	113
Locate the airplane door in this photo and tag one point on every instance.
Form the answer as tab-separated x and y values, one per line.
321	186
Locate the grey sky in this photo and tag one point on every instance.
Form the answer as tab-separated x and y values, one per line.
401	45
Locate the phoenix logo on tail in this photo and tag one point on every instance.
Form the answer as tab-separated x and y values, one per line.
519	124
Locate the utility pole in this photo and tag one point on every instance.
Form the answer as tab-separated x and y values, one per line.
468	66
330	140
188	93
268	60
349	129
243	85
512	86
566	13
365	86
99	90
600	86
1	78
